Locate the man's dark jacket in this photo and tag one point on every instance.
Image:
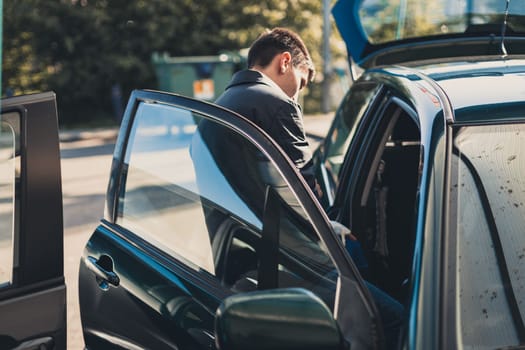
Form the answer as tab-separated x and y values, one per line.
258	98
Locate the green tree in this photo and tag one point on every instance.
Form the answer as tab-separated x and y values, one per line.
83	48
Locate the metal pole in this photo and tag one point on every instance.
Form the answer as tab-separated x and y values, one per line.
1	35
327	72
401	19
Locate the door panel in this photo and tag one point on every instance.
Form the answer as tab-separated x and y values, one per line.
147	307
32	288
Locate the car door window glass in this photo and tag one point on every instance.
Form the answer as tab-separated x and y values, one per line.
209	196
265	241
488	196
345	124
160	199
9	168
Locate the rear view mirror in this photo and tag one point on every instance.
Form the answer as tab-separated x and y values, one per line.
277	320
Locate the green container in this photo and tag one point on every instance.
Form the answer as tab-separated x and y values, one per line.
202	77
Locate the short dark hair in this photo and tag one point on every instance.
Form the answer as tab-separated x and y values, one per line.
276	41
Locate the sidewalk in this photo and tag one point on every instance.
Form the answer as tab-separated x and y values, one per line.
316	126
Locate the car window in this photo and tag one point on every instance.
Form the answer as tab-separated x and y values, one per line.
343	128
9	168
160	200
211	198
488	207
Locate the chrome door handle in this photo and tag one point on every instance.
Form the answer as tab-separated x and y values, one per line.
103	270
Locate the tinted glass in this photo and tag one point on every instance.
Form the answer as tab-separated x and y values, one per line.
211	198
488	188
9	168
385	21
345	124
161	200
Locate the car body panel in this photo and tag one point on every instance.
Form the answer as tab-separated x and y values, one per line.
500	85
147	307
37	277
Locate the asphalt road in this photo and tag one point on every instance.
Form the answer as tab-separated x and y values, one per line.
86	161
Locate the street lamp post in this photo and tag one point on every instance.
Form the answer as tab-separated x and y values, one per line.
325	99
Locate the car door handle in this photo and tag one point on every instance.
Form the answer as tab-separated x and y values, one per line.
103	269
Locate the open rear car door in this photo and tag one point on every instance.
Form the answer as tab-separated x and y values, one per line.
32	287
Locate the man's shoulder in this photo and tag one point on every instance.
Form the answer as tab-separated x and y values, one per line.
250	87
257	97
251	79
254	97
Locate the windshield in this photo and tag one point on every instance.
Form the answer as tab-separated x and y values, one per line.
390	20
488	207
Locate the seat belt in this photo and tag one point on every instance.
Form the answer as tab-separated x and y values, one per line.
269	248
381	197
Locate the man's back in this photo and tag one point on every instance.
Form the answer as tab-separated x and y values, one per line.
260	100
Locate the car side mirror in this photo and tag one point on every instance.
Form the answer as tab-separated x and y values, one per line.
277	319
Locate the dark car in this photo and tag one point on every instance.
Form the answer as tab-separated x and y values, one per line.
211	238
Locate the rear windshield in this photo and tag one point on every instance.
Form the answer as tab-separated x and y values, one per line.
391	20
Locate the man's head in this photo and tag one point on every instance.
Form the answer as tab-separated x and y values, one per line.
282	55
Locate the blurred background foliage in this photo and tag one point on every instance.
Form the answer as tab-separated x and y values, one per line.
81	49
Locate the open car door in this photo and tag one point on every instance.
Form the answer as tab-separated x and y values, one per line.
32	287
202	205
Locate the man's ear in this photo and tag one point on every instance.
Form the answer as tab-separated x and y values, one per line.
285	61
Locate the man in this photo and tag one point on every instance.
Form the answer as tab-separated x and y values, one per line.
279	66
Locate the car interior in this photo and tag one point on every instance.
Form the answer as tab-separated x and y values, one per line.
248	259
383	211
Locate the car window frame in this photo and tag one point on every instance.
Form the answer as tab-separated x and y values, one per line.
375	107
327	143
363	146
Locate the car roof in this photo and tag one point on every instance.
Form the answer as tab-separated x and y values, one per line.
478	91
482	91
380	33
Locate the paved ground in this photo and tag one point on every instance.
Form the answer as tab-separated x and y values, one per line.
86	160
316	125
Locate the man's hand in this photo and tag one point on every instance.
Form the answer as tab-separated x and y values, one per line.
342	231
318	191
